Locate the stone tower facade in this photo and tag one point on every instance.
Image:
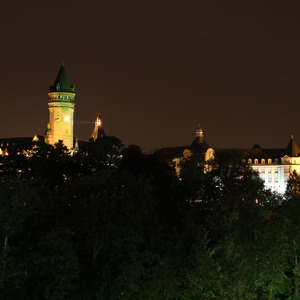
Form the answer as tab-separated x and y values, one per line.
61	110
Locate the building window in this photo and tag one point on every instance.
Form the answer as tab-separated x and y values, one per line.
256	161
269	161
263	161
249	161
276	160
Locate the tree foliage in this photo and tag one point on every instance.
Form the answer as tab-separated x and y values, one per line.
115	223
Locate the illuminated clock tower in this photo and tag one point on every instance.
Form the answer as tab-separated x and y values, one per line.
61	110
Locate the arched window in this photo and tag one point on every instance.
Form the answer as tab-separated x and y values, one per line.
263	161
256	161
210	154
276	160
269	160
249	161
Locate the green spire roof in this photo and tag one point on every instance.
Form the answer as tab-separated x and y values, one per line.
62	83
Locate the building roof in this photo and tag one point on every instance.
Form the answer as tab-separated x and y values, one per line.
265	153
62	83
198	146
291	150
19	141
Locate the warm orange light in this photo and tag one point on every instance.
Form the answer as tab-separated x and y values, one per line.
67	118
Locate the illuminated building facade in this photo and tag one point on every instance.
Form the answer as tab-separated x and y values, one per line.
274	166
61	106
198	146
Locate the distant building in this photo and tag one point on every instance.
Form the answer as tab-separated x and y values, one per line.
273	165
61	105
19	142
198	146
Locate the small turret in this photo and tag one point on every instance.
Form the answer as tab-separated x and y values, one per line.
199	134
199	145
48	134
292	148
76	147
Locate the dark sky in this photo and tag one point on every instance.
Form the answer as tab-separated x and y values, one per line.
156	69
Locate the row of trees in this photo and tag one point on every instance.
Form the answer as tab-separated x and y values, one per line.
114	223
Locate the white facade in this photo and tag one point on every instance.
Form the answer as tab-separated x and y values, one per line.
275	173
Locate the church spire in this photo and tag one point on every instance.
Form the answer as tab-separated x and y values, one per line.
98	131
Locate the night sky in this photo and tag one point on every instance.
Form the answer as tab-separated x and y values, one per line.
154	70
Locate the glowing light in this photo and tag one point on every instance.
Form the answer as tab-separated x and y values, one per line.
67	119
98	122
